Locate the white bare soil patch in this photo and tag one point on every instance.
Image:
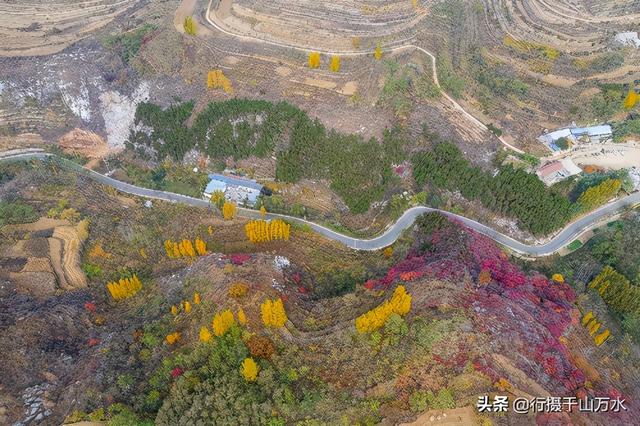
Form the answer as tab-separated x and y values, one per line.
118	111
612	156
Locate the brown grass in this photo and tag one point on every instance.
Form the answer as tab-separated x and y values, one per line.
31	28
37	264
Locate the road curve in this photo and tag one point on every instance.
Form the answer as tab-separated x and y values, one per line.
561	240
455	104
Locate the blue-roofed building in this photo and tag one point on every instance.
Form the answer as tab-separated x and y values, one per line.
593	134
239	190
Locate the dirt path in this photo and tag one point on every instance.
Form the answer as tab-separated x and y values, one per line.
213	20
187	8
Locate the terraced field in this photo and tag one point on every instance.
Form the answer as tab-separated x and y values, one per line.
32	28
45	256
340	25
579	27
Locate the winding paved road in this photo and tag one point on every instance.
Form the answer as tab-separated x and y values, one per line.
562	239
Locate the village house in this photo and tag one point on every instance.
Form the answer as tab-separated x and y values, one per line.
239	190
557	170
575	135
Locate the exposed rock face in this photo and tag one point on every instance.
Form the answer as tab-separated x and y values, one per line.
118	111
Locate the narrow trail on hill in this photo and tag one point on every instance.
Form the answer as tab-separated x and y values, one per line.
477	123
390	235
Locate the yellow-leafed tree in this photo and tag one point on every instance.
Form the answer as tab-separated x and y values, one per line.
189	25
259	231
378	52
273	313
590	322
188	248
217	80
557	278
174	310
249	370
182	250
98	251
314	60
185	248
229	210
173	338
599	194
334	65
602	337
187	306
238	289
196	298
201	246
222	322
631	99
205	334
217	198
263	212
400	303
242	318
124	287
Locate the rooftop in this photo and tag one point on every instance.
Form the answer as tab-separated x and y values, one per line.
592	131
234	181
550	168
558	170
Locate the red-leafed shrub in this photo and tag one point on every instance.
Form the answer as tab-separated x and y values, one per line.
527	314
410	276
239	258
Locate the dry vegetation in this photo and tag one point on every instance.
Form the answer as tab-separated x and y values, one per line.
41	28
48	251
523	65
322	26
457	341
